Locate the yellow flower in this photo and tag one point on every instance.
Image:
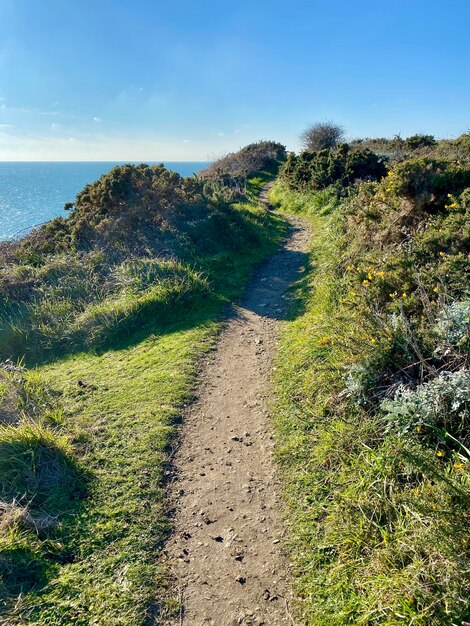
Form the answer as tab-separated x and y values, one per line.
369	276
404	295
419	428
373	340
381	274
349	268
436	289
442	253
458	465
393	295
365	282
440	453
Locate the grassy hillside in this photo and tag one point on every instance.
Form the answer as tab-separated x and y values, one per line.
373	393
110	309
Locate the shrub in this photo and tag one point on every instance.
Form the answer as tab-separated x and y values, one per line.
416	142
428	181
251	160
452	328
135	245
434	410
322	135
313	171
457	149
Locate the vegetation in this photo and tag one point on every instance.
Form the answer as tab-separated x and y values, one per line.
372	395
110	309
104	315
140	242
313	171
398	148
229	177
322	135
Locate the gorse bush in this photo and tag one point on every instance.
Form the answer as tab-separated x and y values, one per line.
228	177
428	181
127	208
313	171
247	162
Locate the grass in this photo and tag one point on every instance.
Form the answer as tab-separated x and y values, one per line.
115	411
378	523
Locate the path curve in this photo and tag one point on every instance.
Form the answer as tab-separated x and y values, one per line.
225	553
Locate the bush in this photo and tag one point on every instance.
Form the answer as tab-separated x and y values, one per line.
457	149
254	158
428	181
416	142
434	410
452	328
322	135
137	244
313	171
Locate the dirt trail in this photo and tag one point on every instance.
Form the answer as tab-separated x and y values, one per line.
226	551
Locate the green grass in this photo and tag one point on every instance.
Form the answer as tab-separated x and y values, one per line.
378	524
115	411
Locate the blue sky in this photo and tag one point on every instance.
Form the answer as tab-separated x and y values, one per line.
188	80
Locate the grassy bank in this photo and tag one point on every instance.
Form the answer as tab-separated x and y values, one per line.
371	413
88	427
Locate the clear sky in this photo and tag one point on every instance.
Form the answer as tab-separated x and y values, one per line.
188	80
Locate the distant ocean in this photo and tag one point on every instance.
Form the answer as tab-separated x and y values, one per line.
33	193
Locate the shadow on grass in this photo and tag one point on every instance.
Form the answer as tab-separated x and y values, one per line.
42	487
265	295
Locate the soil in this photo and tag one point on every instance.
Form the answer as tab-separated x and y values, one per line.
226	553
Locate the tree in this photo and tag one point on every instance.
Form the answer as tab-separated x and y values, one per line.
322	135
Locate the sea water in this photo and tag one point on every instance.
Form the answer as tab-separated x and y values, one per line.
34	193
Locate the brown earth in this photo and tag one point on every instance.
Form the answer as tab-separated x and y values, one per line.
225	553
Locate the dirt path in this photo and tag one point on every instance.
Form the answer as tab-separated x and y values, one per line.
226	552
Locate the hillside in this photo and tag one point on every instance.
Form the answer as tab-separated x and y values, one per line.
373	385
104	316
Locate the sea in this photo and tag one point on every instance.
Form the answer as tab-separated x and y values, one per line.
34	193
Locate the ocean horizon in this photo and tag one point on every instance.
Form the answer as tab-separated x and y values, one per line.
34	192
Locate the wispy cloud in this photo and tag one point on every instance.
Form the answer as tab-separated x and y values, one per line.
97	119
